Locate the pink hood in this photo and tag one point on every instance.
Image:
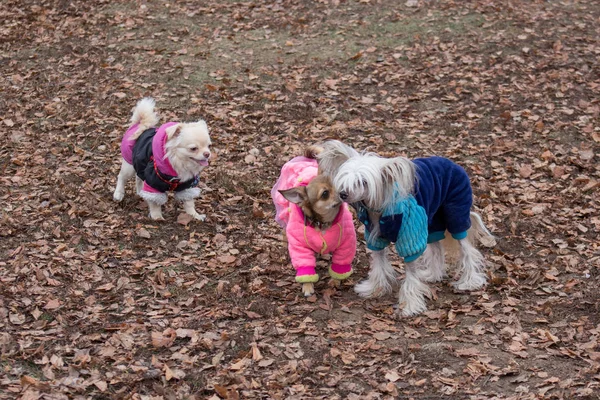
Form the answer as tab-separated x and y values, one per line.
296	172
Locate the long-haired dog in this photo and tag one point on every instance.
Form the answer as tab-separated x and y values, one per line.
167	158
411	203
315	219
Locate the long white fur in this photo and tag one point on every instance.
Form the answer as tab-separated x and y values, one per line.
376	181
413	291
472	264
381	277
156	198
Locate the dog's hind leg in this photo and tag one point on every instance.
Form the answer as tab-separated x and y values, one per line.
381	277
126	173
432	268
413	291
472	265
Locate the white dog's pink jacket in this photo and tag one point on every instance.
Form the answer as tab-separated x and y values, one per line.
303	239
147	155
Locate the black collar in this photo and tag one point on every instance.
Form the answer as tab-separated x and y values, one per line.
308	221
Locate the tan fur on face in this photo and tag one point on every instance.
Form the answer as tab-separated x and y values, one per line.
188	145
319	200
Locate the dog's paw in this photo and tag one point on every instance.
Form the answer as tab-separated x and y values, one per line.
308	289
118	196
158	217
336	283
474	282
367	289
406	309
199	217
407	312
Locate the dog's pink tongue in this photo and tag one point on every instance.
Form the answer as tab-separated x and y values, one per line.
203	162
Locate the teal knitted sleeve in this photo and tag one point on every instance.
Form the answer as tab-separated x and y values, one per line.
412	236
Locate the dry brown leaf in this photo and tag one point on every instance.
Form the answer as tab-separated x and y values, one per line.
164	338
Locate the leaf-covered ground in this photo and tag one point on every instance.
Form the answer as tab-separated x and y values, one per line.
98	301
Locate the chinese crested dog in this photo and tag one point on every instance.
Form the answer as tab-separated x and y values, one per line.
413	204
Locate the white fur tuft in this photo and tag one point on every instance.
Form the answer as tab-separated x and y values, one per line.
381	277
472	264
156	198
479	233
187	194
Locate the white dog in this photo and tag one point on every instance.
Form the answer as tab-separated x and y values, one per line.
167	158
412	204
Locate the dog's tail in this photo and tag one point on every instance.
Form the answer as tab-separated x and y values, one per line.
479	233
144	115
313	151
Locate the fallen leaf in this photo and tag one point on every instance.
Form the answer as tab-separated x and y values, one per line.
143	233
164	338
526	171
227	259
381	335
392	376
52	304
184	218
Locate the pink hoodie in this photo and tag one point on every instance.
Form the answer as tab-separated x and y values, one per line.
304	241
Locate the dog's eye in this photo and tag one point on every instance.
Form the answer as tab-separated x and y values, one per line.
325	194
194	149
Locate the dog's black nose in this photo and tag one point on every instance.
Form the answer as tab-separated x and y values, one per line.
343	195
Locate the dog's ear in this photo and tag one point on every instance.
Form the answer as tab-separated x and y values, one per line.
173	131
202	123
296	195
313	151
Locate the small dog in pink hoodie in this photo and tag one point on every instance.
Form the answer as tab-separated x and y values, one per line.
315	219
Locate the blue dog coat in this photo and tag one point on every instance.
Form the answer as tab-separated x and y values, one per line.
441	201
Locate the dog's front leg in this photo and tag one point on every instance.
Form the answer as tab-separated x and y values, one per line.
381	277
413	290
190	208
155	211
308	289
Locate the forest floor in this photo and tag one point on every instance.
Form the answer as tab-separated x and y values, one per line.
99	301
